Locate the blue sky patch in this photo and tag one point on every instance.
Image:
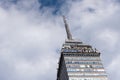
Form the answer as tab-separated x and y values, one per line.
55	4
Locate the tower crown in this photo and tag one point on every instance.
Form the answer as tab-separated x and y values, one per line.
79	61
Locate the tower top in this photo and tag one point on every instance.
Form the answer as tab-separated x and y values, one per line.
69	36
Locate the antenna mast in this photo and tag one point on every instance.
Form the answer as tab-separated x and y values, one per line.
69	36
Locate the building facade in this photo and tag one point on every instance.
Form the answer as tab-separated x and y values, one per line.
79	61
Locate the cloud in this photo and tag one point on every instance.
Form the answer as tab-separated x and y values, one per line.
28	43
31	38
113	67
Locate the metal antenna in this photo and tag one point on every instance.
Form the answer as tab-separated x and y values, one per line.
69	36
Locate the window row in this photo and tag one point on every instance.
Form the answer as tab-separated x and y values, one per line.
82	66
73	78
77	62
86	74
82	58
86	69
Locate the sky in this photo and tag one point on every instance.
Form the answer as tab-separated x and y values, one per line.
32	33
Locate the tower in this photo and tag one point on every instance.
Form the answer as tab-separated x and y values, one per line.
79	61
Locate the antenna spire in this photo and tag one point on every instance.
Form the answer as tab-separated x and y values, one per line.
69	36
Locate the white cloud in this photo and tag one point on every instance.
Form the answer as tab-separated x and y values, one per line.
80	10
108	37
28	44
30	38
113	68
